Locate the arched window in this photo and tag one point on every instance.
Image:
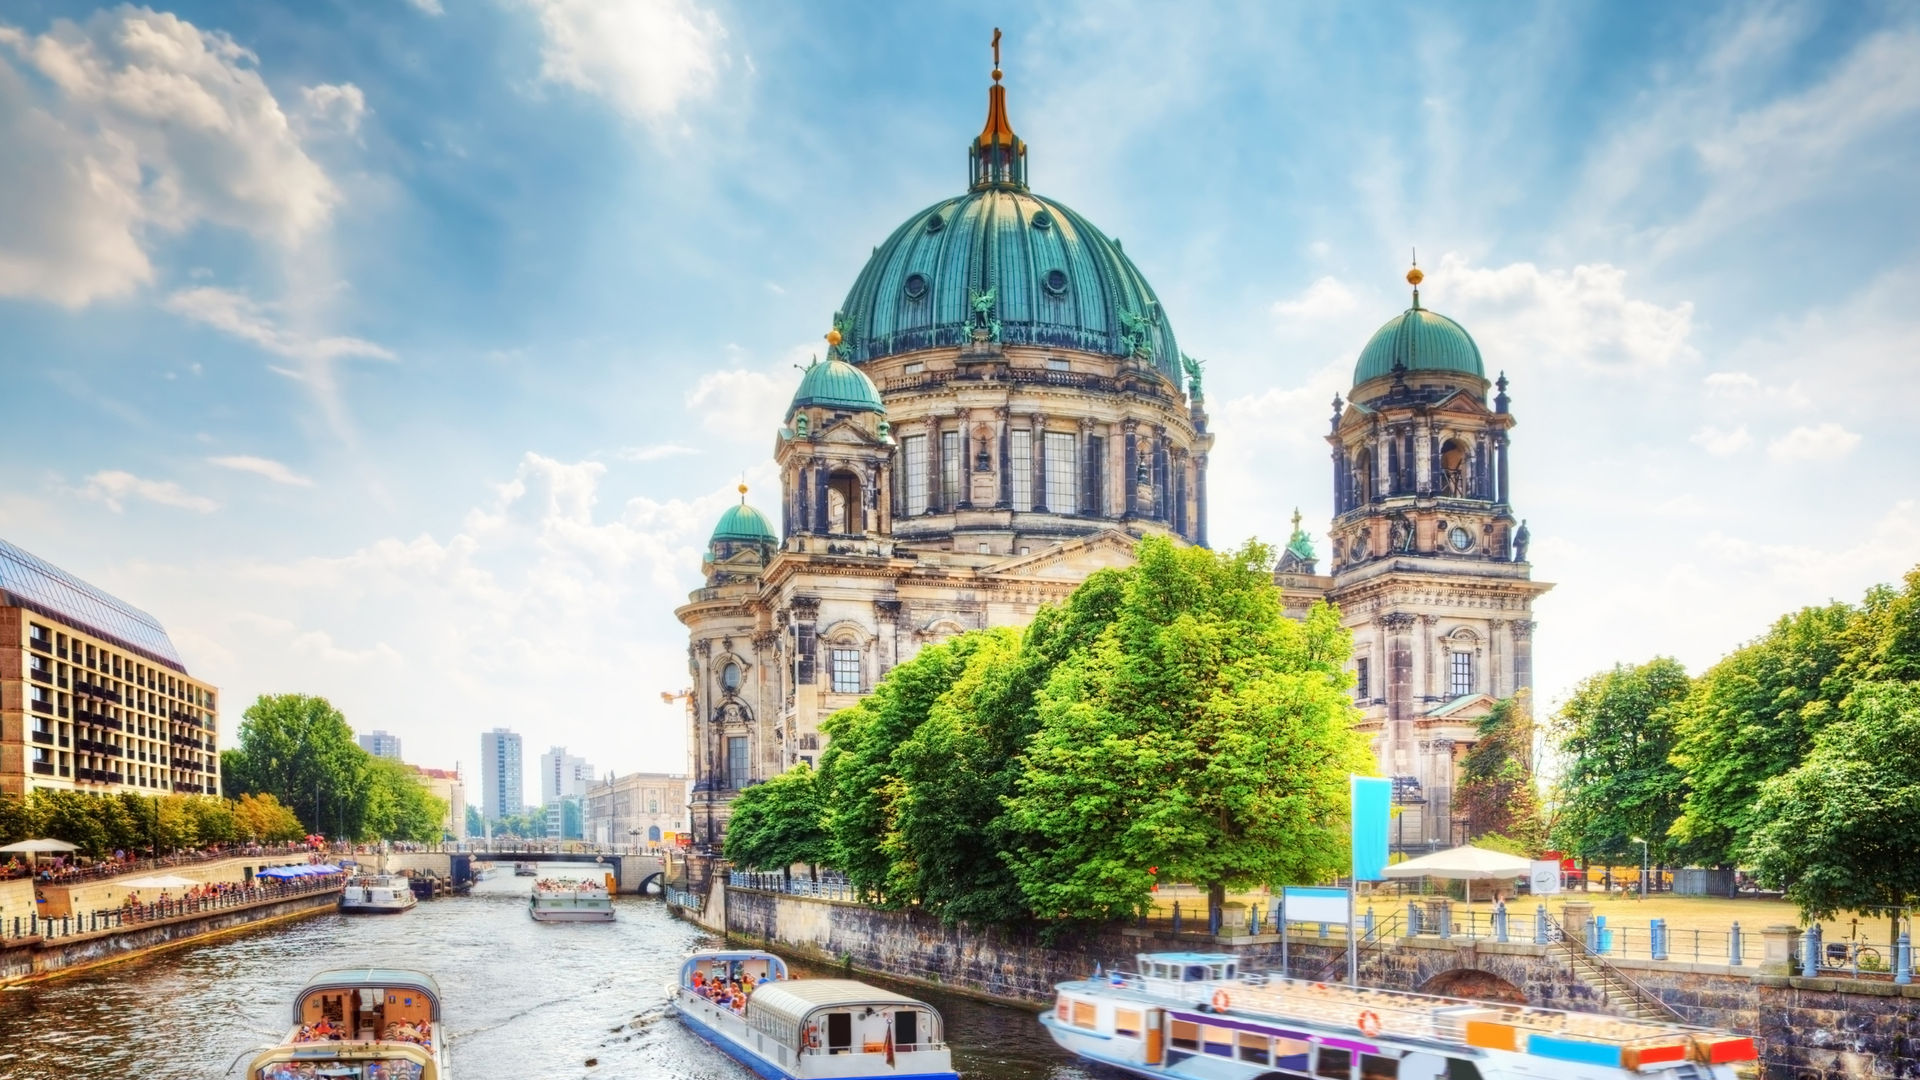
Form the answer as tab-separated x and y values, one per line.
1362	473
653	834
730	676
1453	469
844	515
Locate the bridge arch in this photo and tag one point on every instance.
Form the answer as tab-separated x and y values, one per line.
1474	984
654	884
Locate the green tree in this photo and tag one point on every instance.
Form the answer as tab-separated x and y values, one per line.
261	819
1497	792
1753	716
1202	733
779	823
19	819
1841	830
299	749
1617	779
398	805
476	827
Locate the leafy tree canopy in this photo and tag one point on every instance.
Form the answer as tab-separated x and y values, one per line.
779	823
1201	733
1618	780
1497	791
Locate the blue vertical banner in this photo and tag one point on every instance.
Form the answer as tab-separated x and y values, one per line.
1372	809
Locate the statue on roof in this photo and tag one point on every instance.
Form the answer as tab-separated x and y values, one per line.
1194	369
1298	557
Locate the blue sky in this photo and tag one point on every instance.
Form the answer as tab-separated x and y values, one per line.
405	352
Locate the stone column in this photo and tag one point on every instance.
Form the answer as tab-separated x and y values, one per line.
963	469
1522	632
1200	499
1003	417
1500	452
1179	514
1425	677
1127	465
1499	673
1090	502
1423	456
1398	673
822	523
936	471
1382	475
1039	463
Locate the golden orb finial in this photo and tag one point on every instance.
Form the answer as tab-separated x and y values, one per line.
833	337
1415	277
743	491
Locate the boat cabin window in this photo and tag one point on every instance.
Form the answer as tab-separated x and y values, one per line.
1126	1023
1458	1069
1291	1054
839	1032
1333	1064
1083	1015
1375	1067
1195	973
1254	1048
1186	1036
906	1027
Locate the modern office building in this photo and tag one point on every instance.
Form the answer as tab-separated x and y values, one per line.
637	810
381	744
93	695
563	776
501	793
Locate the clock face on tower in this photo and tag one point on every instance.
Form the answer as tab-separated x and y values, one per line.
1460	538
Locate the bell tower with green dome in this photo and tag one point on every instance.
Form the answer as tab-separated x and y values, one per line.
1427	561
1003	410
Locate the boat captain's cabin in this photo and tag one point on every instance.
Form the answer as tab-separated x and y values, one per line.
1189	967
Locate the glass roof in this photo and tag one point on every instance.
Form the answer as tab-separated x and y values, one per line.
31	582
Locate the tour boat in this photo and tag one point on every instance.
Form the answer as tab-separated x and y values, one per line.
1196	1015
526	869
361	1024
377	894
566	900
810	1029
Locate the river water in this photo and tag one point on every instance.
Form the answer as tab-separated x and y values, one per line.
522	999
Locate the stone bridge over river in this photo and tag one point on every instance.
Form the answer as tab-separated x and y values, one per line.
633	871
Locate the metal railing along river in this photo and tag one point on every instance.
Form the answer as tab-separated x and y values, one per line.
51	927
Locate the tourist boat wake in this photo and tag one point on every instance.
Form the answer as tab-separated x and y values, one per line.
361	1024
818	1029
1197	1016
377	894
567	900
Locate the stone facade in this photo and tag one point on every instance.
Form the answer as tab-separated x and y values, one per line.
637	810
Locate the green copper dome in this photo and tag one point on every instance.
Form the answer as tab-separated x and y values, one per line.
1421	340
837	384
1028	270
743	524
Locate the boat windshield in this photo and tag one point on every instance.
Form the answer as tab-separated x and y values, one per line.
342	1069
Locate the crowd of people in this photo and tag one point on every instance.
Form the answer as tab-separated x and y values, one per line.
66	869
728	993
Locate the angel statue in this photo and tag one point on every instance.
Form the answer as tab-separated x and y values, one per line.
1194	369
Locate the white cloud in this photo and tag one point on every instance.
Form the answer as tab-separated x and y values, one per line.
655	452
1721	443
259	466
1742	387
1731	384
115	487
647	58
741	401
315	357
1821	442
131	125
429	7
1325	298
332	109
1582	317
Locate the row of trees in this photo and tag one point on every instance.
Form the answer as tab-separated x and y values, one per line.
1798	754
1166	722
100	823
300	750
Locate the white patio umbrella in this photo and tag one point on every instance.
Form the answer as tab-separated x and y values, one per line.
159	881
1466	863
35	847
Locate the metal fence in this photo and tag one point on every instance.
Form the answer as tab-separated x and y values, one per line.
46	874
130	915
685	901
830	887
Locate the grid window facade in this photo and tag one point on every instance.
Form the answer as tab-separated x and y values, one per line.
737	764
1361	691
1020	462
846	671
1063	473
951	457
1462	674
913	461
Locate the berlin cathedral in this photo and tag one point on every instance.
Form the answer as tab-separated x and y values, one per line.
1003	409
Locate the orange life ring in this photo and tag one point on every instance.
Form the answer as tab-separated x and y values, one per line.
1369	1023
1220	1001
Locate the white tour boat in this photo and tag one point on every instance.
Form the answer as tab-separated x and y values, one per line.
567	900
809	1029
1197	1016
377	894
361	1024
526	869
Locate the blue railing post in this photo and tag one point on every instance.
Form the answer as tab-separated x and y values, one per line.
1903	959
1500	921
1413	919
1657	939
1213	920
1253	919
1540	924
1810	952
1176	916
1366	922
1735	946
1323	929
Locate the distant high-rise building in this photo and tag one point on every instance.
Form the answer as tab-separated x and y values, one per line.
563	776
501	793
381	744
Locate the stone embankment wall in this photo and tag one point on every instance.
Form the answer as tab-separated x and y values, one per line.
1809	1029
16	900
33	958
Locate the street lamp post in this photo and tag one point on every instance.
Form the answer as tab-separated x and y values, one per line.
1643	865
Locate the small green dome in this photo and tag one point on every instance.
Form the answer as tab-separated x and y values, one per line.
743	524
837	384
1422	340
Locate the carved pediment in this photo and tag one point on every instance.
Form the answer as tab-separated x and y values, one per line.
1069	561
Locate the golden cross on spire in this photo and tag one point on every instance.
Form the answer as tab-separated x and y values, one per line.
1296	519
996	48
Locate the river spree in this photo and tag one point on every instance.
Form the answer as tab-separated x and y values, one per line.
522	999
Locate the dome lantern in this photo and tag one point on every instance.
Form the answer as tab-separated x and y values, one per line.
1419	339
997	157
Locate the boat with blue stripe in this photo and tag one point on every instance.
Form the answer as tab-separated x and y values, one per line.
1198	1016
746	1003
